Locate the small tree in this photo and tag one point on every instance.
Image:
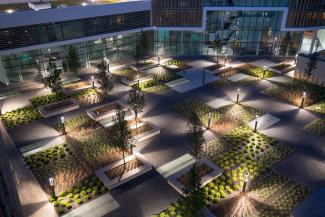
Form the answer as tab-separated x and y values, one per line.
193	202
122	139
73	59
136	100
104	79
52	80
311	65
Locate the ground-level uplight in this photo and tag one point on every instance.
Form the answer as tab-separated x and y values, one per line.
209	121
264	71
303	99
238	92
93	81
63	125
51	181
246	176
256	122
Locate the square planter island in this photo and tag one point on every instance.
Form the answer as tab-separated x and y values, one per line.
207	171
113	176
106	111
74	87
58	107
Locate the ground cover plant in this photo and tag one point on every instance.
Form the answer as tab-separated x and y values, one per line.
257	71
318	108
158	82
292	92
240	151
222	119
20	117
88	147
180	65
221	83
27	115
129	73
317	127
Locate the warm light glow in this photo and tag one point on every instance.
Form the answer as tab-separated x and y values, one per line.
51	180
264	68
92	78
238	90
246	176
84	4
9	11
62	119
304	94
256	116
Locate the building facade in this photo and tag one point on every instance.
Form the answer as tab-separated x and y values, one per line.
28	38
9	201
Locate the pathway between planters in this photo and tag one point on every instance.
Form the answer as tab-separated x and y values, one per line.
95	208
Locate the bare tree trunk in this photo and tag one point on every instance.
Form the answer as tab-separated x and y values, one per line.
136	118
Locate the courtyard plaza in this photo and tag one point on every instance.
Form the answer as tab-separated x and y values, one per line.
150	193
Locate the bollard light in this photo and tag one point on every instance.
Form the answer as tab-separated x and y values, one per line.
246	177
209	121
63	125
256	121
159	60
303	99
51	180
238	92
93	81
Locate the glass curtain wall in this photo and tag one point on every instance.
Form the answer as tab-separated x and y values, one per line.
247	3
234	33
31	65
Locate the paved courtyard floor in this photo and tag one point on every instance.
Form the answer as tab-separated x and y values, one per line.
151	193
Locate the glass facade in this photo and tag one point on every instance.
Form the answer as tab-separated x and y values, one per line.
234	33
52	32
247	3
30	65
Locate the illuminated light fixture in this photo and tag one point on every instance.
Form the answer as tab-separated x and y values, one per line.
84	4
303	99
93	81
256	121
296	58
10	11
264	71
209	121
246	177
238	92
51	180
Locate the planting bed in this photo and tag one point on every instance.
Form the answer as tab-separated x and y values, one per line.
207	171
106	111
317	127
20	117
242	151
58	107
74	87
115	174
144	130
158	82
318	108
292	91
145	65
257	71
176	66
283	67
222	119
